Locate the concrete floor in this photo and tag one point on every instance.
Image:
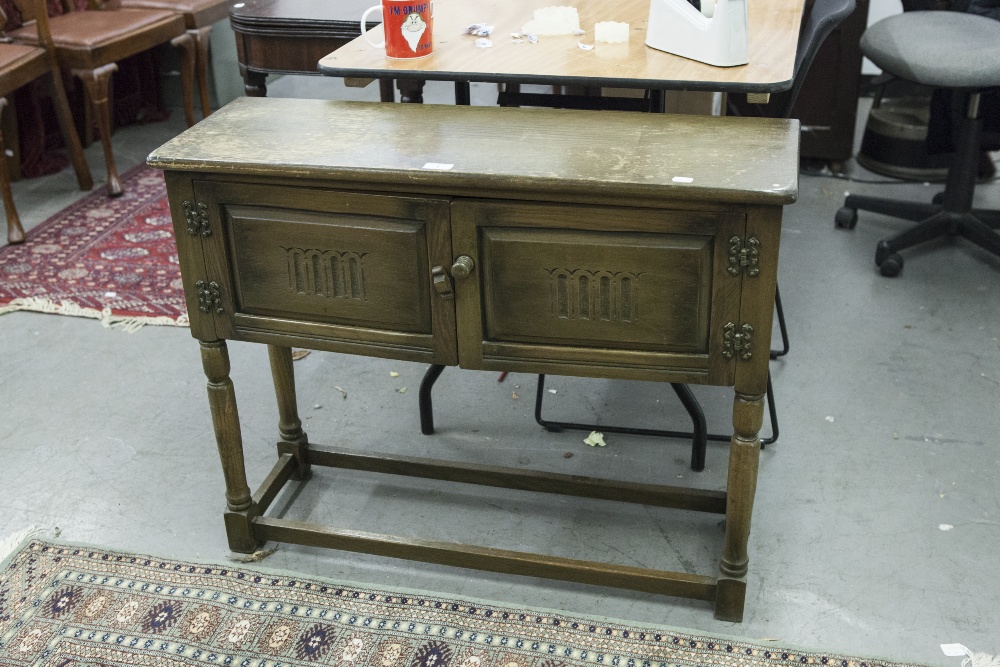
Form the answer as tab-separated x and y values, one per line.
889	405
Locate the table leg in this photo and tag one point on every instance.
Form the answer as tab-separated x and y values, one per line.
744	456
226	419
510	91
656	101
386	92
463	95
254	83
293	439
411	91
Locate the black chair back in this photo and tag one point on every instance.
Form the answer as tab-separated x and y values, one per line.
817	25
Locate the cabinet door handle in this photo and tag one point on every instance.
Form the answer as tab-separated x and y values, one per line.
462	268
442	282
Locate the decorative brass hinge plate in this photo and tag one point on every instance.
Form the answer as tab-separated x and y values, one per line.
197	218
744	257
737	341
209	298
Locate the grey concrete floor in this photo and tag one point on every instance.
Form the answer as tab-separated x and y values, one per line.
889	405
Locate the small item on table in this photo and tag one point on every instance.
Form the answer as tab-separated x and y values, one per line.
611	32
553	21
484	43
479	29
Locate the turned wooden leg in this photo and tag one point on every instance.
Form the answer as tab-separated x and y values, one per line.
744	455
95	84
186	45
15	232
411	91
226	419
68	128
293	439
254	83
757	311
202	39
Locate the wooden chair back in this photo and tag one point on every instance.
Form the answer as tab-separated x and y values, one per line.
36	10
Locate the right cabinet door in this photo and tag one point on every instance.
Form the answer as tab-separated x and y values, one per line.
596	291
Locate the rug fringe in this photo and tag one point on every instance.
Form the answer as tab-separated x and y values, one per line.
982	660
127	323
12	542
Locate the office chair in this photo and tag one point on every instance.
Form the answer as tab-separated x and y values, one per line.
824	16
941	49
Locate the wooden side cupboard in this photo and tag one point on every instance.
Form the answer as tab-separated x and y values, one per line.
616	245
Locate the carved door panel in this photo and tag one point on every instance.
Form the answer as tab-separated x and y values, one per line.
608	292
333	270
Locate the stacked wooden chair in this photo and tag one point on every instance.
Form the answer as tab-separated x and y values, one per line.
90	43
199	15
20	64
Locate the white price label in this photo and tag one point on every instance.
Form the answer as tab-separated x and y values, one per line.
954	650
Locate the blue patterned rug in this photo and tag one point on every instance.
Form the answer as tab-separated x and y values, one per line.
68	606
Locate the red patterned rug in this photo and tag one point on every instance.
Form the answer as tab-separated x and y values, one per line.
114	260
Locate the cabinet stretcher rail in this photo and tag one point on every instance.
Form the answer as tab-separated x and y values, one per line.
656	495
485	558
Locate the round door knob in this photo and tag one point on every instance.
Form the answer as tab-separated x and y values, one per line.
462	267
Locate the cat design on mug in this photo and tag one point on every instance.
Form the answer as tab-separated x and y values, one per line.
413	28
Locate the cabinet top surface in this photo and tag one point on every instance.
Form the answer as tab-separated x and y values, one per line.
483	151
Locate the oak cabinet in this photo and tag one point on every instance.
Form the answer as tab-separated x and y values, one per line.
639	246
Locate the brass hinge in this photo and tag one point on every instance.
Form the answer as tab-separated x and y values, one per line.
744	256
197	218
737	341
209	298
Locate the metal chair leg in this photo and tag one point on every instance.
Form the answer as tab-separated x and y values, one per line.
699	435
781	326
426	404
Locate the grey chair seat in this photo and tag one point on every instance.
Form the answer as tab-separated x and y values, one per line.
937	48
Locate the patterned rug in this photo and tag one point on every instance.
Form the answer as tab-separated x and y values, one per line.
110	259
67	605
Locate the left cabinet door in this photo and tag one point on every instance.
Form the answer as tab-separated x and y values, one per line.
328	269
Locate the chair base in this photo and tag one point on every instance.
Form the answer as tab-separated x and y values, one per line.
950	213
933	221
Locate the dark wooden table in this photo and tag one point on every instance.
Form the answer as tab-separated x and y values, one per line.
290	37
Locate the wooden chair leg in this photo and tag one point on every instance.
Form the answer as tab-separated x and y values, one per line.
202	40
65	118
96	83
88	122
185	44
15	232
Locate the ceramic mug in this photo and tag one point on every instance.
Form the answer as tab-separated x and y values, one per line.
407	26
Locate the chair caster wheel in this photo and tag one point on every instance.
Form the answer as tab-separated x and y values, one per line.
938	199
846	218
882	252
891	266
